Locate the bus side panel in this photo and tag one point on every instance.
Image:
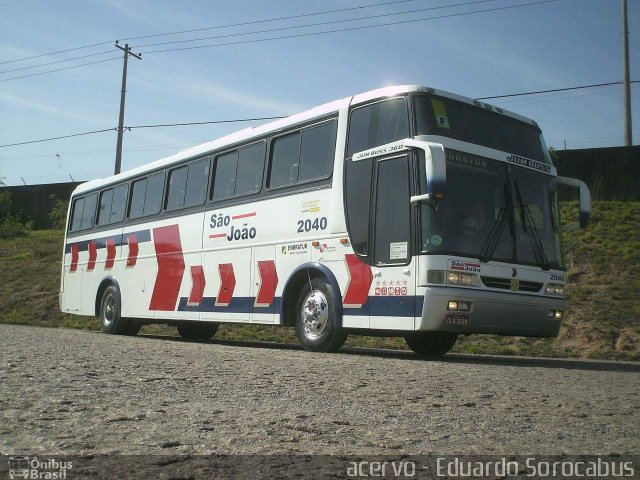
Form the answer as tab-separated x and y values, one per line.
101	258
166	278
138	270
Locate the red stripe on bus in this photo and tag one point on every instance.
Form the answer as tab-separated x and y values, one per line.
111	253
269	276
198	284
357	292
227	284
170	268
93	254
218	235
74	258
133	250
244	215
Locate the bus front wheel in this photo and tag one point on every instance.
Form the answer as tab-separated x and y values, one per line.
316	319
431	344
197	330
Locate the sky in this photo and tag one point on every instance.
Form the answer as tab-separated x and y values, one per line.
494	51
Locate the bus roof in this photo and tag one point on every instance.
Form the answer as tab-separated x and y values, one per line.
277	125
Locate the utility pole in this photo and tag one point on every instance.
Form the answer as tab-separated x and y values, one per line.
628	138
127	51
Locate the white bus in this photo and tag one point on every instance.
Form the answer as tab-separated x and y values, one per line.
403	211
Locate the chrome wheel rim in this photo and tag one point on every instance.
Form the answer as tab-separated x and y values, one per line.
109	310
314	314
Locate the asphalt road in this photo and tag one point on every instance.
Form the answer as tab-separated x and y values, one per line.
87	393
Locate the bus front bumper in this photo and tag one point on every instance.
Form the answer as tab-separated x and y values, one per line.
498	313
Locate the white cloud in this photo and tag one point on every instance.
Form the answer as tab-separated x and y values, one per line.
47	108
242	98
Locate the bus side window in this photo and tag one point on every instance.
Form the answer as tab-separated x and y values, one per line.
139	190
89	213
285	158
317	151
378	124
177	188
250	167
153	197
197	181
104	210
78	208
119	203
225	175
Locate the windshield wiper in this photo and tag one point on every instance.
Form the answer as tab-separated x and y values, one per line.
530	229
493	238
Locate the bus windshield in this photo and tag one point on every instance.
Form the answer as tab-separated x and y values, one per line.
468	123
494	211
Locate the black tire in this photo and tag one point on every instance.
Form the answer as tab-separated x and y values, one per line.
197	330
133	327
318	329
431	344
109	313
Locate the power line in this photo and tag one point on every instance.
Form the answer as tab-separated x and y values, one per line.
56	52
326	12
310	34
58	138
554	90
58	61
273	38
238	120
59	69
204	123
368	17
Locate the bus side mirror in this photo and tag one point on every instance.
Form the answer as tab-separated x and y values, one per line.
585	197
435	168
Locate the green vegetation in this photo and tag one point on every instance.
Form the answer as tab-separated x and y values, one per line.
603	297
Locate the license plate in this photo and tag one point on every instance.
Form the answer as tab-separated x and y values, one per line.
456	321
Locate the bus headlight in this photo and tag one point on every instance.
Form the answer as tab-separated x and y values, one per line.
435	276
462	278
555	289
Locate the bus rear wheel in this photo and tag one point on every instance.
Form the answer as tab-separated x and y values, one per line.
316	319
197	330
431	344
109	314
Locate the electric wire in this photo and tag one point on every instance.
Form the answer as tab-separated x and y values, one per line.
350	29
207	28
60	69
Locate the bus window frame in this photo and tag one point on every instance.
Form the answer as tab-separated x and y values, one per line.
295	185
214	165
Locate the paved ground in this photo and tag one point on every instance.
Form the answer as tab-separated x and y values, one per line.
79	392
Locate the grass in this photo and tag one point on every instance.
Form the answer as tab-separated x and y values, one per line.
603	295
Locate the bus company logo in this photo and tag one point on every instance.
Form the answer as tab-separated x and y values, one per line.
22	467
294	249
464	266
311	206
525	162
243	232
466	159
324	248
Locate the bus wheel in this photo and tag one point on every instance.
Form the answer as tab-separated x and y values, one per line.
431	344
110	317
197	330
133	327
316	319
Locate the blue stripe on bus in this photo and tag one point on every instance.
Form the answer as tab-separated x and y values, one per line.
120	239
392	306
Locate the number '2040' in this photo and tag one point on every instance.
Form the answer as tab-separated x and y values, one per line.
309	225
